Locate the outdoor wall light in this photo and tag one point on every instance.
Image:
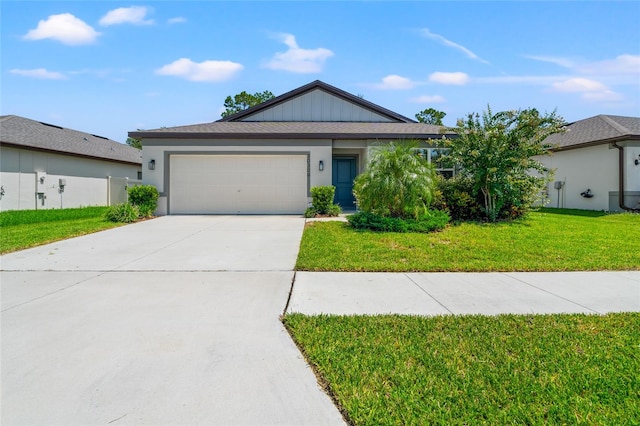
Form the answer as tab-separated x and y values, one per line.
321	165
637	161
152	164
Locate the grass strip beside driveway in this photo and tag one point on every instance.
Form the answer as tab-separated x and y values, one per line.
509	369
548	240
22	229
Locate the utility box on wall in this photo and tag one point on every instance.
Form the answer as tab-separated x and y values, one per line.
41	190
41	178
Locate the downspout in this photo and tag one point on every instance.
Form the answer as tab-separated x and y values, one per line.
621	179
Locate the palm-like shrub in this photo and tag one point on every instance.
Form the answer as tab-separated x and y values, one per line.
396	182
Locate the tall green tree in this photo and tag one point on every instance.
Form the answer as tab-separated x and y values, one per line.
497	152
431	116
396	182
136	143
244	100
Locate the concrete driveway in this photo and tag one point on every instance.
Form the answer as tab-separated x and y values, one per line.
168	321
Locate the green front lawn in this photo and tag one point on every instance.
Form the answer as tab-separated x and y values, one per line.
549	240
509	369
21	229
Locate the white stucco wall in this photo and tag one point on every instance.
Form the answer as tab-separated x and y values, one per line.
632	153
594	168
86	179
160	149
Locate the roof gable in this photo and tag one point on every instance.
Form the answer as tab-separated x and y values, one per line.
318	102
30	134
597	130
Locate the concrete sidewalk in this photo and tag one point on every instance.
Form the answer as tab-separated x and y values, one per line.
344	293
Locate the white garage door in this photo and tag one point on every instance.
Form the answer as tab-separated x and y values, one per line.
238	184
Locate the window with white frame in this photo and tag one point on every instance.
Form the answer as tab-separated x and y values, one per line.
437	157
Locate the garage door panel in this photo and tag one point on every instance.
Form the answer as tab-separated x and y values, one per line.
232	184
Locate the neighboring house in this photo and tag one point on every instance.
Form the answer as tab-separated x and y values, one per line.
265	159
597	164
43	166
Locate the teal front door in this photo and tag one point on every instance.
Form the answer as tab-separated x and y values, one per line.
344	172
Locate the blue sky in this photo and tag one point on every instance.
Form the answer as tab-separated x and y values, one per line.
109	67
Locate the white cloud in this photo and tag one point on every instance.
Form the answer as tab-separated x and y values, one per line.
297	59
177	20
64	28
428	99
593	81
40	73
454	78
578	85
563	62
521	79
623	64
127	15
211	71
395	82
425	32
602	96
591	90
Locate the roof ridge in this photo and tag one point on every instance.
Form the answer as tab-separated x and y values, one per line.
619	127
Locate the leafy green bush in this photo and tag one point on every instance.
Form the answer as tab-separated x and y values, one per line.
455	196
498	151
396	182
431	220
322	202
334	210
124	213
145	197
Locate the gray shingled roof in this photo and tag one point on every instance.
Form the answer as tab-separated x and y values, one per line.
290	130
23	132
597	130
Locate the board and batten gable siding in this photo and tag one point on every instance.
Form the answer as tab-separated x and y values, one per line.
318	105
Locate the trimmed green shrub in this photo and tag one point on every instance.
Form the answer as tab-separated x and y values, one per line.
455	196
310	212
334	210
322	202
145	197
431	220
124	213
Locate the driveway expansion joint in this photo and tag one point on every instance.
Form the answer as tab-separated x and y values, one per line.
286	305
51	292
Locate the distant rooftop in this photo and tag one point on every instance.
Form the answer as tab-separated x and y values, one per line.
27	133
597	130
